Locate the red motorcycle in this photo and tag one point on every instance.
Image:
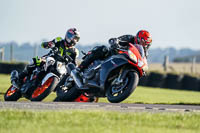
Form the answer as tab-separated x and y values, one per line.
115	77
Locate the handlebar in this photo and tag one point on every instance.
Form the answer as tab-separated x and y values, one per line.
83	53
54	52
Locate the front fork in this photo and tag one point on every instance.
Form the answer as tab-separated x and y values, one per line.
119	83
121	76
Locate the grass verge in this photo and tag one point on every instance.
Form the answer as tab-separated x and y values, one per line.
21	121
146	95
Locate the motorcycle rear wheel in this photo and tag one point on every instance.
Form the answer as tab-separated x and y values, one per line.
12	94
69	94
132	82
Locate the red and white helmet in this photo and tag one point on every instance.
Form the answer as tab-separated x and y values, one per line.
72	37
145	37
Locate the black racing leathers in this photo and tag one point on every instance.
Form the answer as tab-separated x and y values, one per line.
102	52
98	52
125	39
62	49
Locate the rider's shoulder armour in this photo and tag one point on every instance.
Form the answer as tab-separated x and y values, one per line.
58	39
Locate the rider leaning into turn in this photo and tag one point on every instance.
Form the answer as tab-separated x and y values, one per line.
65	46
142	38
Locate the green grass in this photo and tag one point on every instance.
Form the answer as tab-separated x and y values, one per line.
4	84
163	96
95	121
76	121
141	95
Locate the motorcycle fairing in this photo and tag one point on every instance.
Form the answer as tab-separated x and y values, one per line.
110	64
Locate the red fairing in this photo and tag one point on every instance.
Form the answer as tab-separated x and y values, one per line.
139	57
139	69
135	51
82	98
137	54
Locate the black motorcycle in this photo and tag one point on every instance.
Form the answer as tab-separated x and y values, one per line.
115	77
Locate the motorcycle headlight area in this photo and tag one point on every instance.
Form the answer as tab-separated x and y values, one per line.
132	56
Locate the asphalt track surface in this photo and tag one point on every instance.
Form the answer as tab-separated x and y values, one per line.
99	106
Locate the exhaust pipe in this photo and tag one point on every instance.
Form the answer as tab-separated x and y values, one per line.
71	68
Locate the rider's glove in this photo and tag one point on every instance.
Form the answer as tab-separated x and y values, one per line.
114	42
51	44
48	45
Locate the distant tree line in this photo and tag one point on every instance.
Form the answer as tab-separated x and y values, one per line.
188	58
26	51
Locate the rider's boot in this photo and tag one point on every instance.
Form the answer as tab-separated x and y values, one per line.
17	79
14	78
75	74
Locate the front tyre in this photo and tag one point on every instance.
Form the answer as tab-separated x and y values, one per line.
44	90
116	94
12	94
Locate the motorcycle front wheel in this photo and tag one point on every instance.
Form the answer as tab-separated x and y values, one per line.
118	93
44	90
12	94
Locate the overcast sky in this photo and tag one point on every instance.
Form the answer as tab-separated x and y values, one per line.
171	22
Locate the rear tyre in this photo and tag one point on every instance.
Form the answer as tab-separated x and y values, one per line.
43	91
130	83
57	99
67	94
12	94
